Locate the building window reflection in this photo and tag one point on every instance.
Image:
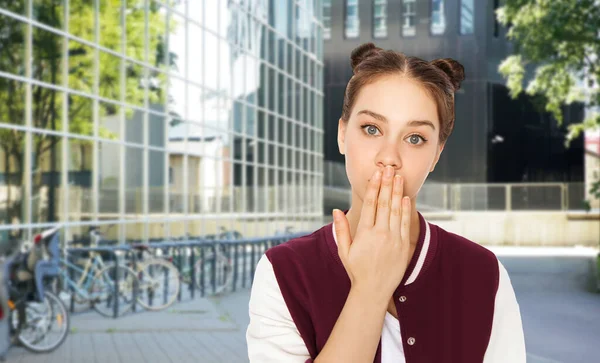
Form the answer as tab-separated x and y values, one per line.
467	16
352	19
380	18
408	18
327	19
438	17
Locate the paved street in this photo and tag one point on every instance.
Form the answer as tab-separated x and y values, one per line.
561	318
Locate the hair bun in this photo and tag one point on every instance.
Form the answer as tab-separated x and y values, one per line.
361	53
454	70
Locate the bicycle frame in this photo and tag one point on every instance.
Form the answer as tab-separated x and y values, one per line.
82	285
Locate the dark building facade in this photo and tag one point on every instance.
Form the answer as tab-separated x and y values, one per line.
496	139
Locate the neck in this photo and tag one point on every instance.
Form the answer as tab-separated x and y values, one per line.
353	217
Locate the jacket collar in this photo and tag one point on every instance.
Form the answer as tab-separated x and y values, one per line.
420	262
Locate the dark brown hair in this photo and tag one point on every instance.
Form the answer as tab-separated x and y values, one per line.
440	78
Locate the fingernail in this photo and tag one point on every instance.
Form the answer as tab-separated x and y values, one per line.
335	215
389	171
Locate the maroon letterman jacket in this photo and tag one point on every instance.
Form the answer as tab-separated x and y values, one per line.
446	315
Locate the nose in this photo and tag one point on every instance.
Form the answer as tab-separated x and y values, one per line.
389	155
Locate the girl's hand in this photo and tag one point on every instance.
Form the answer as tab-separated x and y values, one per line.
377	258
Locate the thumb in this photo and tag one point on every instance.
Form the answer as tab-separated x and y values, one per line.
342	233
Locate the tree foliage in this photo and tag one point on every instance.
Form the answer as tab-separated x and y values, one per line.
561	40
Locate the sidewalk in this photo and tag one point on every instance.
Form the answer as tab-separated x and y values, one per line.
201	330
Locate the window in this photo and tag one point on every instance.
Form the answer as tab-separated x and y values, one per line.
327	19
380	18
496	22
408	16
438	19
352	20
467	15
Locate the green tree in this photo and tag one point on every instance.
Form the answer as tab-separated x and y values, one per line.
559	40
47	66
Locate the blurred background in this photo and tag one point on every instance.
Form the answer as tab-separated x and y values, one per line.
160	121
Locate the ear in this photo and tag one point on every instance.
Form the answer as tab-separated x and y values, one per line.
341	136
437	157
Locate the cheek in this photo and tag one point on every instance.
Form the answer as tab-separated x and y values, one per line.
358	166
415	175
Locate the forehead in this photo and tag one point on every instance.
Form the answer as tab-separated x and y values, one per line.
397	98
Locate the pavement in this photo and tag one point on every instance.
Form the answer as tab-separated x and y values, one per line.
554	286
199	330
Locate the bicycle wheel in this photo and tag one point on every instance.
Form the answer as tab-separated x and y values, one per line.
36	331
102	291
223	273
158	284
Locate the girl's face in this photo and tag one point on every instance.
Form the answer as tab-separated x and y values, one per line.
393	122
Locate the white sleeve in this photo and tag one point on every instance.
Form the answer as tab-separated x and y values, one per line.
507	342
272	335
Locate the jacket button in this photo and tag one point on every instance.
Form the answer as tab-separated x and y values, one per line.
411	341
402	298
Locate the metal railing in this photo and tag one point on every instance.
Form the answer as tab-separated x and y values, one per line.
440	197
244	255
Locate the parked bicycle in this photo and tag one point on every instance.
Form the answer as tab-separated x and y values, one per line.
158	278
38	319
91	280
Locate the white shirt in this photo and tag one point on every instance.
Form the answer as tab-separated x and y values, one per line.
272	335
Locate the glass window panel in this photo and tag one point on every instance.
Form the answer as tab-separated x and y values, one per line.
352	24
175	182
45	178
157	231
134	172
156	130
380	19
134	126
46	110
134	27
109	156
196	10
12	163
109	124
156	181
408	16
13	47
467	16
134	91
177	45
47	53
110	26
271	127
438	17
110	76
81	19
81	115
80	198
135	233
81	67
210	63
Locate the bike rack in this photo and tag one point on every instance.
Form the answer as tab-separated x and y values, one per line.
257	246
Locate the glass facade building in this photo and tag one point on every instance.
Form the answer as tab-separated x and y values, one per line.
157	120
532	147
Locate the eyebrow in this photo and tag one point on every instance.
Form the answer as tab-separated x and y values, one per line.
382	118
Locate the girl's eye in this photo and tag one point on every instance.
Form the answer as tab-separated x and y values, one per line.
371	130
415	139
